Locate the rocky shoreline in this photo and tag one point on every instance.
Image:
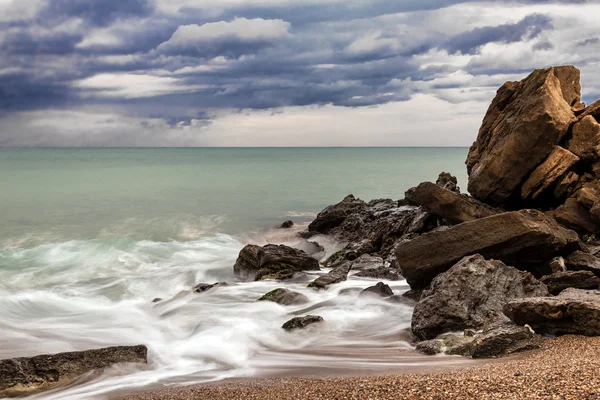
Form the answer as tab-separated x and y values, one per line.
492	273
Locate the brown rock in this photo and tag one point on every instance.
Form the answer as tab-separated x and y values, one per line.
575	216
585	141
574	311
565	185
256	263
471	294
557	163
524	238
593	110
504	340
448	182
451	206
25	376
580	261
570	279
523	124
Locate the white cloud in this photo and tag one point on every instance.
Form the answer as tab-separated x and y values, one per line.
242	29
18	10
132	85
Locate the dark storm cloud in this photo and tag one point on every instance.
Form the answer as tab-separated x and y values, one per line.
526	29
96	12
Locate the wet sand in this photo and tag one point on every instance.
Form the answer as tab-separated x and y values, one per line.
565	368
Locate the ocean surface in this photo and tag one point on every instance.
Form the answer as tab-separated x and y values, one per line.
89	237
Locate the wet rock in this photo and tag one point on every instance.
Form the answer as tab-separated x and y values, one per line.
380	289
448	182
451	344
336	275
285	297
574	311
451	206
203	287
570	279
25	376
301	322
157	299
523	124
524	239
558	162
580	261
504	340
287	224
272	262
413	295
471	294
313	249
366	262
387	273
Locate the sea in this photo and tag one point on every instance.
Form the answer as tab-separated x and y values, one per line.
89	237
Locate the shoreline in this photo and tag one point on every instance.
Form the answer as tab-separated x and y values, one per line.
566	367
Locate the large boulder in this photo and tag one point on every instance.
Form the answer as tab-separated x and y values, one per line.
524	239
574	311
452	206
272	262
471	294
524	123
24	376
570	279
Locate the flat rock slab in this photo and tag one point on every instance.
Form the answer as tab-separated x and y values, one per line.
574	311
453	207
522	238
581	261
336	275
21	376
570	279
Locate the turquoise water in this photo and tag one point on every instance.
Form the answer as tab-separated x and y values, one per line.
89	237
52	195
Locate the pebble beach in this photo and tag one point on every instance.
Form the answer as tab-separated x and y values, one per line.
567	367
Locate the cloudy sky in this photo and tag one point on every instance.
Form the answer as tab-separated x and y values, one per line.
275	72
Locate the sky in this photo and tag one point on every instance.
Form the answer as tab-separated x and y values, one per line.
275	72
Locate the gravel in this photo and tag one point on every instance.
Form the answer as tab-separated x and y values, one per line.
567	367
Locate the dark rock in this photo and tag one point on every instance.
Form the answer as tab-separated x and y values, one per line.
523	124
451	344
525	238
504	340
448	182
285	297
203	287
367	262
471	294
580	261
156	300
333	216
570	279
447	204
313	249
387	273
287	224
574	311
301	322
272	262
25	376
336	275
380	289
413	295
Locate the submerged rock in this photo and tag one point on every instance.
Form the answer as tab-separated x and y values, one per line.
203	287
302	322
525	238
380	289
287	224
570	279
471	294
285	297
272	262
574	311
23	376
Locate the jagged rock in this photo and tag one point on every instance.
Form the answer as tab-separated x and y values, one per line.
287	224
575	216
585	141
333	216
387	273
380	289
448	182
301	322
593	110
525	238
523	124
336	275
272	262
566	185
470	295
366	262
558	162
451	344
285	297
449	205
580	261
574	311
570	279
504	340
25	376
